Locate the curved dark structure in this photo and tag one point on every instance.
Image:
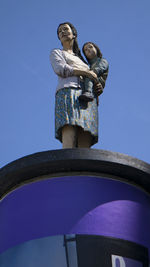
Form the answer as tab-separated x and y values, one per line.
54	162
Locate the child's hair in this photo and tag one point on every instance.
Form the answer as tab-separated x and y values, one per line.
99	54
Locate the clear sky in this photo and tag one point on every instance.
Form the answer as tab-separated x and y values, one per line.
27	81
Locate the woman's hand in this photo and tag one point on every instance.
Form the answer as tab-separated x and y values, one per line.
87	73
92	76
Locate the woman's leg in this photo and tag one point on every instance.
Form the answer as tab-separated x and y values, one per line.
69	136
84	139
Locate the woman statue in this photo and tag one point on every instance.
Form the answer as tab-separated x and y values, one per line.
76	121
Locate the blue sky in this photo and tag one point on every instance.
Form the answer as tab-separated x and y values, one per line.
27	81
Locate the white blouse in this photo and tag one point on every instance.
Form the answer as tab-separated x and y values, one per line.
63	64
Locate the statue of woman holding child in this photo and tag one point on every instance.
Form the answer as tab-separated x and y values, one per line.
79	85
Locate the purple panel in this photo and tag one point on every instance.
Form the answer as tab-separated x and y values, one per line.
122	218
85	205
119	261
132	263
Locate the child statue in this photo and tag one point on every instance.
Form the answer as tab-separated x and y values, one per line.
97	64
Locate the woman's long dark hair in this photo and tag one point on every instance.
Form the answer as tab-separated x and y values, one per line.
99	54
76	48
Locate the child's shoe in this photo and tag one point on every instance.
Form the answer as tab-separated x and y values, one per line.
86	96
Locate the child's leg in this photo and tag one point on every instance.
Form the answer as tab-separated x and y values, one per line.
87	90
88	86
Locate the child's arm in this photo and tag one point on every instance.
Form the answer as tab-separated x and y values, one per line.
102	67
102	70
102	78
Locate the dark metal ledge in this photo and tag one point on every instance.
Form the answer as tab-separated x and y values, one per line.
109	163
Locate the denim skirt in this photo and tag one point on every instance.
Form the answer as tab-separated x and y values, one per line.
70	111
